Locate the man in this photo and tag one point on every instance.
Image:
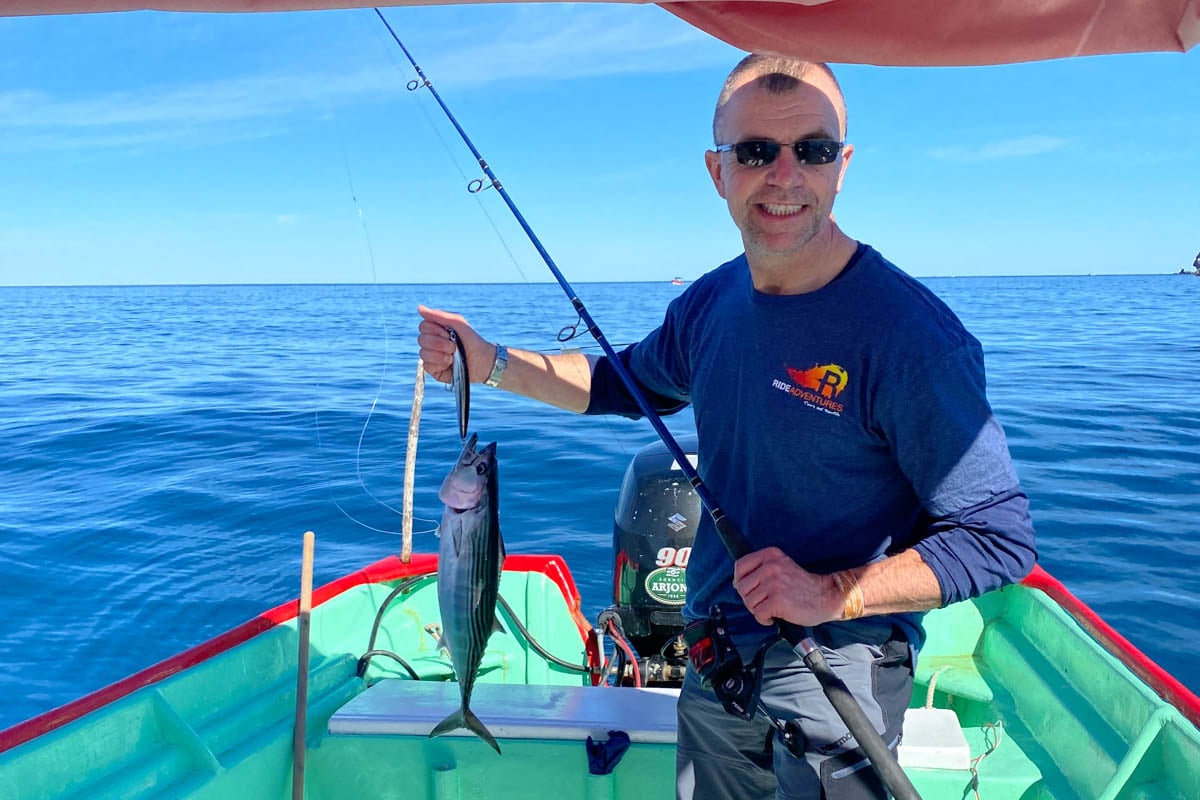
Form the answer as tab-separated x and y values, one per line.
843	425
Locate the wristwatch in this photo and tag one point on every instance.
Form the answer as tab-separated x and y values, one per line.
498	366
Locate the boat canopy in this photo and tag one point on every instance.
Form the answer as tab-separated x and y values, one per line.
882	32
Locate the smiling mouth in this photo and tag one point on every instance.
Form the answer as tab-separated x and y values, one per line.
781	209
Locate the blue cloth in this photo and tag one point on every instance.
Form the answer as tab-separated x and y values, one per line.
604	756
841	425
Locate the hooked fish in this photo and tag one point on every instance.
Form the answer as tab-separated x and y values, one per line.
470	560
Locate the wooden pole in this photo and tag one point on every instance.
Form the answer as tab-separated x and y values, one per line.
410	461
299	748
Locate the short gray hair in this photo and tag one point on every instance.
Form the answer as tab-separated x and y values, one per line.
777	75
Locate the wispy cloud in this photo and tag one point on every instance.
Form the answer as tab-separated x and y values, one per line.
191	114
36	140
257	96
555	42
1005	148
543	43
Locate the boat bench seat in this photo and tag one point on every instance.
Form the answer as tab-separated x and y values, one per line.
947	659
956	675
511	711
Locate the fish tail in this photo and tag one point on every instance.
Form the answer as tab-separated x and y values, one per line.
465	718
476	726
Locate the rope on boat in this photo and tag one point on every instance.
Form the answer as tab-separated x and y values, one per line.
993	733
410	462
933	685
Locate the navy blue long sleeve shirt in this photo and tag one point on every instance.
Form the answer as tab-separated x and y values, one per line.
841	425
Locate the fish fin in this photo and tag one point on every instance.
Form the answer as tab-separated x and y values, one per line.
450	723
458	537
465	718
497	627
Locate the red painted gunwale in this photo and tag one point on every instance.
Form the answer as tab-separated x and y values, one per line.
391	568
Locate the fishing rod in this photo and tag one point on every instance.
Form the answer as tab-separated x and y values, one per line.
731	537
729	532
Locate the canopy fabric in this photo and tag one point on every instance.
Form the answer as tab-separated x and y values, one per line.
885	32
946	33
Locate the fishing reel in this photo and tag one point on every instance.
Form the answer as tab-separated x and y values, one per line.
719	665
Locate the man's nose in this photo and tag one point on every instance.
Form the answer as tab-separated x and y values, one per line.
786	170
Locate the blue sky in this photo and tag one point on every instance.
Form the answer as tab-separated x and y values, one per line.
284	148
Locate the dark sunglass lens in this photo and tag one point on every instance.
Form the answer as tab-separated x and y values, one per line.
756	153
817	151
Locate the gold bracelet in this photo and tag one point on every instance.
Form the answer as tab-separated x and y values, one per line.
848	585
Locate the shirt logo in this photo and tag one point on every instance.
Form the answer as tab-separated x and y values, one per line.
817	387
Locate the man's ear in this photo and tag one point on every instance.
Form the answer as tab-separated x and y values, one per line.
712	160
847	151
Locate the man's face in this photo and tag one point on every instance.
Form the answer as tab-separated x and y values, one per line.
782	206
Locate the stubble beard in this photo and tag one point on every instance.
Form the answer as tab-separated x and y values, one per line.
754	240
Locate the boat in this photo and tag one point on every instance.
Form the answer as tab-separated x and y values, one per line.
1022	693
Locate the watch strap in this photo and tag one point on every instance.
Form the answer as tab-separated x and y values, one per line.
498	366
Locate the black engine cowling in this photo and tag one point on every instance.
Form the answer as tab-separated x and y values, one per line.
653	528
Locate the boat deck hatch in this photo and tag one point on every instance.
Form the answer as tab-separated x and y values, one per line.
511	711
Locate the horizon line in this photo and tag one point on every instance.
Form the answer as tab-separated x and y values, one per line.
523	283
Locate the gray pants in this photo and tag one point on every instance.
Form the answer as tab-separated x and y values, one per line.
722	757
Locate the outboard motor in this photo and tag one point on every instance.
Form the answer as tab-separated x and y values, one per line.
653	529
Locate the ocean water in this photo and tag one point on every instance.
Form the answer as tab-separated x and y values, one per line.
165	448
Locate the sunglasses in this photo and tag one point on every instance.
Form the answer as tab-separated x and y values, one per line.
760	152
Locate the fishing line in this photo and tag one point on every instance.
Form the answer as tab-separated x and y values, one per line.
476	187
453	160
801	638
362	218
357	521
382	376
734	541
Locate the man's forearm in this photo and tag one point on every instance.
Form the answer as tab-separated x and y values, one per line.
560	380
898	584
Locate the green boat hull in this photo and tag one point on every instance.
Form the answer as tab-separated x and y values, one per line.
1074	716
